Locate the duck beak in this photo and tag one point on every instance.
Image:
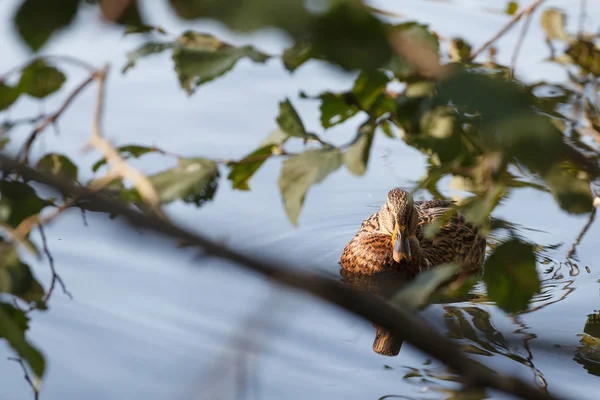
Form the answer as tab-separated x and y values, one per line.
401	252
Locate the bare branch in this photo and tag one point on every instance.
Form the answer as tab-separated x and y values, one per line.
517	50
34	387
119	166
67	59
55	276
507	27
52	118
582	16
403	323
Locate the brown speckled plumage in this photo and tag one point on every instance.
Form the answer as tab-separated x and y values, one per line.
369	254
370	250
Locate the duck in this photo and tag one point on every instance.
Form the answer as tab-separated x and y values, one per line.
393	238
390	248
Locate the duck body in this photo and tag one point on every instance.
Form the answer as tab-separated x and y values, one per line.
393	239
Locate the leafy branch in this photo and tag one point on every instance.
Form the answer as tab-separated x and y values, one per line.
394	318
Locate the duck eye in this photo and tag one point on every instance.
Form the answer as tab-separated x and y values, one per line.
388	208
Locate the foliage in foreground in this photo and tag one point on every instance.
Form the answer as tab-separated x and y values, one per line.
473	122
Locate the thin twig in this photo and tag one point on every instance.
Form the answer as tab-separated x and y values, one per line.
582	17
582	233
68	59
506	28
55	276
139	180
402	322
36	392
52	118
517	50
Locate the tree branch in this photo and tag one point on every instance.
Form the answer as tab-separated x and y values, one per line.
112	156
517	50
399	321
36	391
506	28
52	118
55	276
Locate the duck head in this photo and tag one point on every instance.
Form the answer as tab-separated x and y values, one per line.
398	218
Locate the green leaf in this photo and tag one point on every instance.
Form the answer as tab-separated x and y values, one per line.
300	172
512	7
419	291
419	89
194	180
511	276
243	170
8	95
13	324
289	121
520	133
336	108
59	165
16	277
459	50
37	20
127	152
39	80
19	201
356	157
349	35
248	15
276	137
414	33
200	58
143	51
507	118
572	193
368	86
143	29
296	55
387	129
553	21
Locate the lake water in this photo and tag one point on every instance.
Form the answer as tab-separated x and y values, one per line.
148	321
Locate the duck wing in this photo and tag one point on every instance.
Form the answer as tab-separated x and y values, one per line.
457	239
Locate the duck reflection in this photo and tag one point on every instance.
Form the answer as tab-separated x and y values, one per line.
384	285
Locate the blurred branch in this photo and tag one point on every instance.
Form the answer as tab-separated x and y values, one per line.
582	16
506	28
517	50
67	59
52	118
34	387
400	321
119	166
55	276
